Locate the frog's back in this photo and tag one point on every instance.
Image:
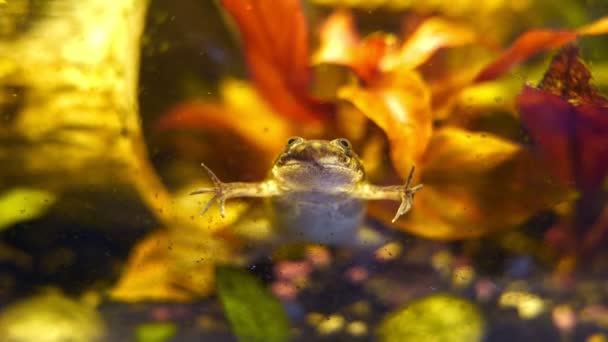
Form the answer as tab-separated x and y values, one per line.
318	217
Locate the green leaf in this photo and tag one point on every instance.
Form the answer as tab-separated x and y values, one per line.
155	332
436	318
254	313
22	204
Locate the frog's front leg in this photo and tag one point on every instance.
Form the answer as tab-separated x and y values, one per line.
223	191
403	193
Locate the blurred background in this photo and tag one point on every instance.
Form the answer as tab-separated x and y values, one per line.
108	108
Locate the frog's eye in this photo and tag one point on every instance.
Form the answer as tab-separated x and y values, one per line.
344	143
294	140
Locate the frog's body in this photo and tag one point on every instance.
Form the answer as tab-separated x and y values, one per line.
317	217
316	191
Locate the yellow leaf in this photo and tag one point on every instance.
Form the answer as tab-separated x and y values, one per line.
599	26
256	121
337	39
178	264
146	275
22	204
465	152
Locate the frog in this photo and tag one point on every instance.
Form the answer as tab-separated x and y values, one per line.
316	191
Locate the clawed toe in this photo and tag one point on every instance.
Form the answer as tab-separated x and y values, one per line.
217	190
407	196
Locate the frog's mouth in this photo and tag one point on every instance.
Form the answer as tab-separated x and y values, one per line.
315	175
316	158
295	163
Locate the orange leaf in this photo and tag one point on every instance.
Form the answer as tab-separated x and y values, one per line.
242	113
433	34
275	38
524	47
535	41
340	44
399	103
370	53
465	196
198	115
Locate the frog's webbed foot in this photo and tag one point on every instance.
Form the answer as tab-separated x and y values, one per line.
404	193
407	196
222	191
219	191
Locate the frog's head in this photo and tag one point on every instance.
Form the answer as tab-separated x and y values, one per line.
318	164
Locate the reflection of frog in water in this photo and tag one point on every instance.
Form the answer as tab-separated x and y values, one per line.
316	190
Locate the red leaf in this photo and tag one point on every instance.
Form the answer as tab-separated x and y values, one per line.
592	129
535	41
568	119
569	79
547	118
275	39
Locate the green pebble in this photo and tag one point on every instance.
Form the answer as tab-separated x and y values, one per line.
436	318
155	332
